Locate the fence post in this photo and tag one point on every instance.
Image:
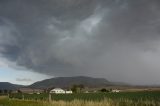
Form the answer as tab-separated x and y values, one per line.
8	95
22	97
50	97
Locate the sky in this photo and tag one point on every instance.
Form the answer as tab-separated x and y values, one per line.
114	39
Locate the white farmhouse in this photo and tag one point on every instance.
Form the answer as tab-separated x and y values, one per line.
115	90
57	91
68	92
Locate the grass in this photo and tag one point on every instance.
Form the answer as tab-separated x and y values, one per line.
105	102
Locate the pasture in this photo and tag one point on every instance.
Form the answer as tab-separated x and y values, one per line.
151	98
135	96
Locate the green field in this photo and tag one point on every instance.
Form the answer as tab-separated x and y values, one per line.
84	99
135	96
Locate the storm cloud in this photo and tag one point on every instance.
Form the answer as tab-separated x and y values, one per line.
115	39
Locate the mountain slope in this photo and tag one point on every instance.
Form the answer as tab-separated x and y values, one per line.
9	86
64	82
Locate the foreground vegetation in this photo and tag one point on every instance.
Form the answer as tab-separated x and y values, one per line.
105	102
90	99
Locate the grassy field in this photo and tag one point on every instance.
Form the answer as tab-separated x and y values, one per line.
134	96
90	99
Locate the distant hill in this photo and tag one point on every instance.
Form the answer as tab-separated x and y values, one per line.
9	86
65	82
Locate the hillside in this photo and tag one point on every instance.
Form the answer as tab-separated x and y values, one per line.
9	86
65	82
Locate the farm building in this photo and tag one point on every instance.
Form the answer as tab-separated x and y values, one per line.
68	92
57	91
115	90
60	91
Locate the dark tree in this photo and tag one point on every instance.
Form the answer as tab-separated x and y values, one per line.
74	88
81	86
77	88
103	90
19	91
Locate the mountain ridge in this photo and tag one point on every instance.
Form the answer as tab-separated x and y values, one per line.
64	82
9	86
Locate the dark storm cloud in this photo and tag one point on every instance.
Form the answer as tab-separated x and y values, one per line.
115	39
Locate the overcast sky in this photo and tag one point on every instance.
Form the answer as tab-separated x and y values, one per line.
115	39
